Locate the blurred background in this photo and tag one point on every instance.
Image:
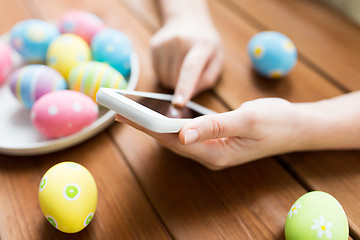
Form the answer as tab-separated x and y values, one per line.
350	8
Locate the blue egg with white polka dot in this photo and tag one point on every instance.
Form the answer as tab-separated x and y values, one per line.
32	37
272	53
113	47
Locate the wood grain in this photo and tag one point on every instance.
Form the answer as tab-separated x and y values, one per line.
246	202
123	209
240	83
146	11
324	37
305	84
335	172
196	209
147	192
15	12
305	92
184	217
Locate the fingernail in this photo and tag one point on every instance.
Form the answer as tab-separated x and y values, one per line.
178	100
191	136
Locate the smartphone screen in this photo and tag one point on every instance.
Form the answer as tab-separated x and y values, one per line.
165	107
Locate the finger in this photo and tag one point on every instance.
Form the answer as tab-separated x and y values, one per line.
177	58
211	72
161	58
190	71
155	54
236	123
161	137
170	140
197	151
202	152
164	64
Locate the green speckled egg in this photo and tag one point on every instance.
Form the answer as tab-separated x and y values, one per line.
316	215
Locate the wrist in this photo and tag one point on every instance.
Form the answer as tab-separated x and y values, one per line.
173	10
323	125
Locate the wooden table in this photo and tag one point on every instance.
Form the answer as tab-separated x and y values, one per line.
146	191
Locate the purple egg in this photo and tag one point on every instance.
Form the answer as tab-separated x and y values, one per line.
31	82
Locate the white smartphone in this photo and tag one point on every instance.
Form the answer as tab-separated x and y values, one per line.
153	111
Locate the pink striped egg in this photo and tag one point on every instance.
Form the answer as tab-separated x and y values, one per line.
5	62
31	82
63	113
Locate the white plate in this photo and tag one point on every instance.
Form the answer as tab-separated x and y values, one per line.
19	137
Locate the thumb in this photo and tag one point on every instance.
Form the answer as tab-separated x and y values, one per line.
230	124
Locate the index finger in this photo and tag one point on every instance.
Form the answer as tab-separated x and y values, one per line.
190	72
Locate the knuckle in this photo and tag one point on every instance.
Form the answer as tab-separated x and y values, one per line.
215	128
250	119
160	41
205	42
190	66
177	40
154	42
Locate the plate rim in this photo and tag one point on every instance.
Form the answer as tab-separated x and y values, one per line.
48	146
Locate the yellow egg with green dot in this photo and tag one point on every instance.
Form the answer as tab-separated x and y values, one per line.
68	196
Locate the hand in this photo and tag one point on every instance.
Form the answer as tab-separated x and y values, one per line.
259	128
266	127
187	55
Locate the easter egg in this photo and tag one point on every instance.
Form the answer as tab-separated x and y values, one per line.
62	113
66	52
31	82
68	196
316	215
5	62
32	37
113	47
81	23
89	77
272	54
